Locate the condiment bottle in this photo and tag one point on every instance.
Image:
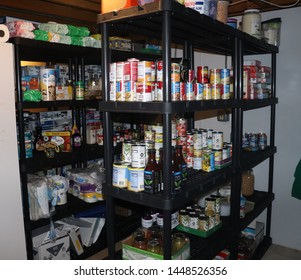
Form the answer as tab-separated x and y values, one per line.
247	182
39	140
151	173
76	137
176	179
181	161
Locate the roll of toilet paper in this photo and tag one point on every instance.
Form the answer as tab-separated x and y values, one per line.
4	33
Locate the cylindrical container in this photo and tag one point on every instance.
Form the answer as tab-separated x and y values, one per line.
215	76
203	223
120	175
222	11
247	183
126	154
138	156
217	140
202	74
232	22
184	218
147	221
207	91
199	91
136	179
79	90
193	221
47	84
251	22
208	164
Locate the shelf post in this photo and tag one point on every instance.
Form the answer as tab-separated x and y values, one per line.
108	146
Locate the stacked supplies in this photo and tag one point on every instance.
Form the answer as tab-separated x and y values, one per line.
66	34
21	28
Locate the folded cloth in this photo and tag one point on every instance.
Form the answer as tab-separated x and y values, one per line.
296	189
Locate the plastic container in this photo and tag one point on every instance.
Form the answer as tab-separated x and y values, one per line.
271	31
251	22
222	11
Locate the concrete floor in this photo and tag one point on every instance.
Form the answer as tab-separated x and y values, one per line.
277	252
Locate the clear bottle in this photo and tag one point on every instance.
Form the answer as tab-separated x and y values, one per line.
151	173
181	161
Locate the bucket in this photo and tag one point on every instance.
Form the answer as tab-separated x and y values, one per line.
271	31
110	6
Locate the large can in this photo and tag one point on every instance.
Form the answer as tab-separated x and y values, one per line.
120	174
136	179
126	154
208	161
202	74
138	156
47	84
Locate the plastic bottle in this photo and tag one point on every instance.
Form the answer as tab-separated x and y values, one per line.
151	173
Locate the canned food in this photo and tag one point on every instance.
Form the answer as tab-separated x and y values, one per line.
215	76
138	155
120	174
136	179
210	206
207	91
184	218
202	74
217	140
199	91
208	161
126	154
203	223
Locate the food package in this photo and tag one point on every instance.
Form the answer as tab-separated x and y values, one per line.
58	187
38	198
86	183
54	27
21	28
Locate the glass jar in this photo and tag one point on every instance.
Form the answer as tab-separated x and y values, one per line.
247	183
251	22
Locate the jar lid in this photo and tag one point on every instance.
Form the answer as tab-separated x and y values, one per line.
251	11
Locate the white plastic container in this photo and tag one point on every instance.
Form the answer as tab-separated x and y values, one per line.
251	22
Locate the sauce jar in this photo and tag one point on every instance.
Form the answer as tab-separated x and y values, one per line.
247	183
251	22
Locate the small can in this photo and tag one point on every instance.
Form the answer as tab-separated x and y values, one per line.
181	127
138	156
262	139
225	94
189	89
208	161
215	76
197	140
225	153
217	202
207	91
217	140
253	138
225	76
190	150
189	138
216	91
199	91
136	179
202	74
175	72
175	91
218	155
79	90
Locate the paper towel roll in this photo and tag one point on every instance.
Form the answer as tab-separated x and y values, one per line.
4	33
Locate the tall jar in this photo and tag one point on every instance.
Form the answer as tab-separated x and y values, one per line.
247	183
251	22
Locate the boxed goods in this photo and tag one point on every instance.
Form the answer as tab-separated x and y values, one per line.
51	244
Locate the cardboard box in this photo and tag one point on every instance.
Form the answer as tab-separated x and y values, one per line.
47	249
132	253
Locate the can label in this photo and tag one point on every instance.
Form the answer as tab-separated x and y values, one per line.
181	127
47	84
126	151
216	91
208	161
202	74
136	179
120	175
207	92
175	91
175	72
189	91
144	92
120	91
199	91
217	140
215	76
130	89
225	76
225	94
138	156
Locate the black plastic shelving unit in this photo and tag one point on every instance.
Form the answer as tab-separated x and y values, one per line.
171	23
76	57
